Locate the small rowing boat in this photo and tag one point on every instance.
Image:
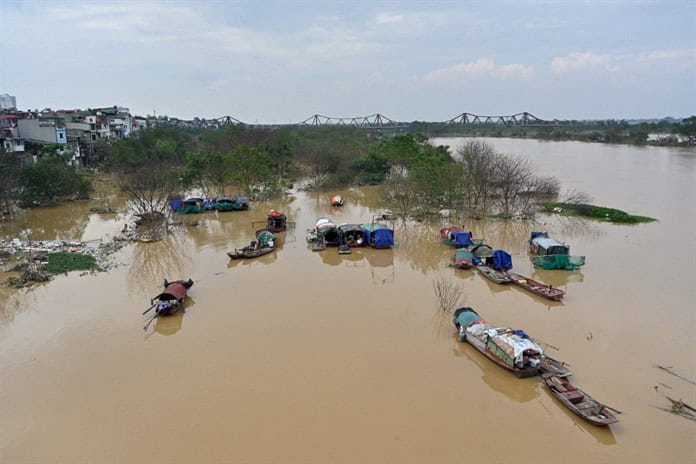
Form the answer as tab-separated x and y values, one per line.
499	277
170	300
579	402
538	288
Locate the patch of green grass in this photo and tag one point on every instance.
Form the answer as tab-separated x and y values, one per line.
595	212
4	254
65	262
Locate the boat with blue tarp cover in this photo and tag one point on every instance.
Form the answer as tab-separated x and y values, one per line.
378	235
549	253
457	237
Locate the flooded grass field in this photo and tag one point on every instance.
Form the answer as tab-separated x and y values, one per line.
315	357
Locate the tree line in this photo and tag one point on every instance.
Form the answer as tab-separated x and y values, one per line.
158	164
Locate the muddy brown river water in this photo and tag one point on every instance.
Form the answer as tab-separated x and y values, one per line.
302	357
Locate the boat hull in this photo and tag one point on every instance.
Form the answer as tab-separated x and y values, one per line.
538	288
579	402
494	276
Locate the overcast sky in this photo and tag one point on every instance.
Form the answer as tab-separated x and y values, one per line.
282	62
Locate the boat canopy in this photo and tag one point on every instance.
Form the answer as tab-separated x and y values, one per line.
174	291
460	238
378	235
264	237
501	260
463	253
466	316
482	251
548	246
176	204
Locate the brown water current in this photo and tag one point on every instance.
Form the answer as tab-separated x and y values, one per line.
313	357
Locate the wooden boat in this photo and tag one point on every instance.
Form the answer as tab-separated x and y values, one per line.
538	288
275	221
352	235
551	254
170	300
379	233
499	277
337	200
232	204
580	402
457	237
326	231
191	206
264	244
510	349
463	259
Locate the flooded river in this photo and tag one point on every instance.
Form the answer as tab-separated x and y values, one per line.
302	357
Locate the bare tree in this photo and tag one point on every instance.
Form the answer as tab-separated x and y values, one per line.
479	162
448	295
576	197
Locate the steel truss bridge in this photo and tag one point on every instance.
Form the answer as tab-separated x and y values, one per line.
373	121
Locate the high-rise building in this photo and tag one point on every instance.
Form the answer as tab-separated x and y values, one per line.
8	102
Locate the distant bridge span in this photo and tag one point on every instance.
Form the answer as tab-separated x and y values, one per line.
373	121
518	119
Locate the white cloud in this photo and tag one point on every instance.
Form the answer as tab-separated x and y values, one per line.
388	18
482	67
581	62
669	54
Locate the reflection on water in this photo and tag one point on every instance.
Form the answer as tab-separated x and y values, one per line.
396	392
497	378
169	325
603	435
156	261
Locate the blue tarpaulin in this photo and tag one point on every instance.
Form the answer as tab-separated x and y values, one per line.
378	236
176	204
461	239
502	261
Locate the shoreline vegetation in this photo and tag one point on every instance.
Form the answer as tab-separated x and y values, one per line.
417	179
601	213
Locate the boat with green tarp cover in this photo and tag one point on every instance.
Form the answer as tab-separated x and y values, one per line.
463	259
264	244
551	254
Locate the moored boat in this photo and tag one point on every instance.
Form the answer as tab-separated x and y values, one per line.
551	254
191	206
457	237
352	235
275	221
264	244
536	287
499	277
510	349
463	259
170	300
238	203
378	235
337	200
580	402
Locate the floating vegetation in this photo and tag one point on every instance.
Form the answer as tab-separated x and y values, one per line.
594	212
64	262
29	276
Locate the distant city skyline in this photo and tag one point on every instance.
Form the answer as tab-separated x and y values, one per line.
283	62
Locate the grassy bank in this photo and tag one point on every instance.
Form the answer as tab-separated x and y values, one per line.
65	262
595	212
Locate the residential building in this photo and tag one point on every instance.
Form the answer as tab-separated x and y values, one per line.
8	102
